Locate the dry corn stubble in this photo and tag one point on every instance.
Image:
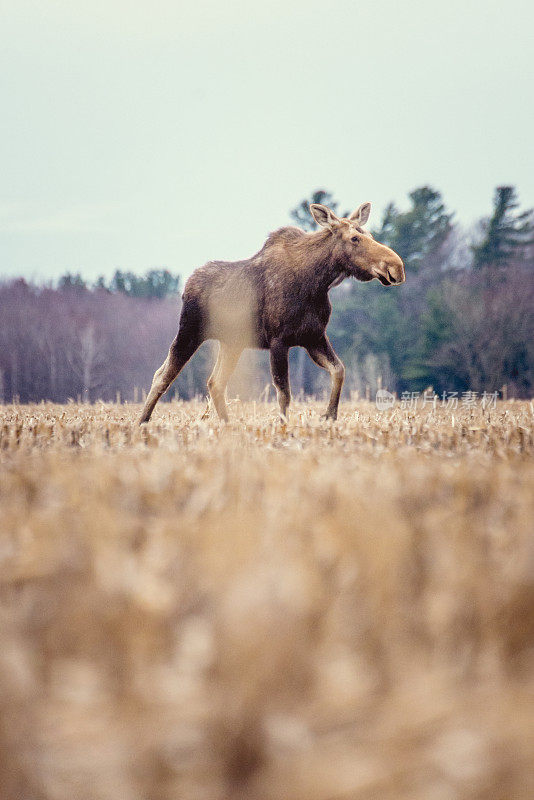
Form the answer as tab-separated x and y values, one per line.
307	610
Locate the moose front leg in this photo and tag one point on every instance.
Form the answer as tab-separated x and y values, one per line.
323	354
280	373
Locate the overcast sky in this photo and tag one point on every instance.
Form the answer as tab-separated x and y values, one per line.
143	134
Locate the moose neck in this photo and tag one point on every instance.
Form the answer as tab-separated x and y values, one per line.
324	262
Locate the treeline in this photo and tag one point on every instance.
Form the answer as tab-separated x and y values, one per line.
87	342
157	283
464	319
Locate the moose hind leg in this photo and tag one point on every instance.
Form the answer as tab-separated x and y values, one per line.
179	354
280	373
211	381
324	355
226	363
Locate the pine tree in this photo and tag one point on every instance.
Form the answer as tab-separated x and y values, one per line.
507	233
72	281
301	213
158	283
417	234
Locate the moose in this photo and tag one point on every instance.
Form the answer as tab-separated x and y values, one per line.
275	300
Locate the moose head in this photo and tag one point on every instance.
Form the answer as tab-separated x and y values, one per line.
355	248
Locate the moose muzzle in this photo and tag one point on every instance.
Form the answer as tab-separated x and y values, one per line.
390	271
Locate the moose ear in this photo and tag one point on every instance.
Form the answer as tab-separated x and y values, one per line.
323	216
361	215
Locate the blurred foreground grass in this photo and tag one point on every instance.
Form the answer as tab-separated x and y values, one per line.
283	612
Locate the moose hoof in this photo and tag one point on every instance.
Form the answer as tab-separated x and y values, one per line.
329	415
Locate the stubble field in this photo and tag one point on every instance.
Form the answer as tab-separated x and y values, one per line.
300	611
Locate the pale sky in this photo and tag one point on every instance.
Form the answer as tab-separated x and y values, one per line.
145	134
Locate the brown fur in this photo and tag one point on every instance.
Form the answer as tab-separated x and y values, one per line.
275	300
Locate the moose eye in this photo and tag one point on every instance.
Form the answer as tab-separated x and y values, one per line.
355	239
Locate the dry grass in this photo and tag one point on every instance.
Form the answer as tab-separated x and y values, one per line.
303	612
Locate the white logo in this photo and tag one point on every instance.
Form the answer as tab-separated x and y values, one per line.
384	399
